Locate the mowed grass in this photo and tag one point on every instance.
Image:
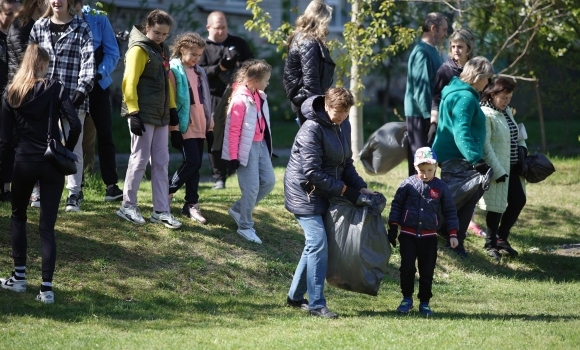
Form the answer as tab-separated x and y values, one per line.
122	286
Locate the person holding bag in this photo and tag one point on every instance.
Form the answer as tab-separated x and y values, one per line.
26	111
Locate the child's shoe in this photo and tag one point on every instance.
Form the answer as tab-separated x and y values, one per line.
405	306
425	309
476	230
11	283
46	297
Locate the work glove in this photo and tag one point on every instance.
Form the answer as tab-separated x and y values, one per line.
502	178
176	139
136	125
481	167
431	133
235	164
173	117
392	234
351	195
228	63
78	98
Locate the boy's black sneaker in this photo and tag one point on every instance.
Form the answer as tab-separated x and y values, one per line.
302	304
323	312
460	251
494	253
506	248
113	193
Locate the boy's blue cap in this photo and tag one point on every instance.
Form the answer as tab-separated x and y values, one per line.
425	155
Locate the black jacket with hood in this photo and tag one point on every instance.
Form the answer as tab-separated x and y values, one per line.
29	122
445	73
17	42
320	162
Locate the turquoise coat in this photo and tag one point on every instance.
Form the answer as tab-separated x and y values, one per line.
496	153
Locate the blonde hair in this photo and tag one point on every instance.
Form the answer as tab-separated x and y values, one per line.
187	40
339	99
250	70
465	36
28	74
313	23
476	69
70	9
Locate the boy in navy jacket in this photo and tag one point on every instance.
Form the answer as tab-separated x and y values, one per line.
418	202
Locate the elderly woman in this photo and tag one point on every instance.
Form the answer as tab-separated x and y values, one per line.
461	130
320	167
309	69
505	198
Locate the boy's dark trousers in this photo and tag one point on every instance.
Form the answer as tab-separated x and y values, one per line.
424	251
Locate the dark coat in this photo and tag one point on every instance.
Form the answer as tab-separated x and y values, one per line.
445	73
308	71
29	122
320	162
17	43
418	205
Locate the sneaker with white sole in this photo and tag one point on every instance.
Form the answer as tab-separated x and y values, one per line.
250	235
113	193
46	297
131	214
11	283
193	211
73	203
35	197
166	219
235	215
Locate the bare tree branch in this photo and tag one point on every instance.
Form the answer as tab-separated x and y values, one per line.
515	77
437	1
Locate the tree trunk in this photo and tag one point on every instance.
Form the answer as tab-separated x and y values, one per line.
356	112
540	115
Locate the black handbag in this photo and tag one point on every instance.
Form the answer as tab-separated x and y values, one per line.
58	155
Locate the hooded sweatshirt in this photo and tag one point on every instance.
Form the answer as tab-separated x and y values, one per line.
461	128
28	123
445	73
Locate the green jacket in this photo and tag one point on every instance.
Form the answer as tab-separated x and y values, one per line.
422	67
496	153
153	86
461	129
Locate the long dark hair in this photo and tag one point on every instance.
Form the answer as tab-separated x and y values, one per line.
500	85
158	16
26	11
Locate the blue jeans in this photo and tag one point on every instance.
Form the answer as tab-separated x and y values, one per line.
311	270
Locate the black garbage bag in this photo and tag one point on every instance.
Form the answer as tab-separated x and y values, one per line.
385	149
463	180
358	248
536	168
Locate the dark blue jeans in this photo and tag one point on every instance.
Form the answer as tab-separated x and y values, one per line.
188	172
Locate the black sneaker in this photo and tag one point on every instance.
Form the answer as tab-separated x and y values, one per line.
505	248
302	304
73	203
460	251
494	253
113	193
6	196
323	312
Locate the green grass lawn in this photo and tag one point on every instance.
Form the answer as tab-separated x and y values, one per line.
122	286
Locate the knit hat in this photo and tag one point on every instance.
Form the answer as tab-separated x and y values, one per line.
425	155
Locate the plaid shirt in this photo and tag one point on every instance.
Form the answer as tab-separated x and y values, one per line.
71	59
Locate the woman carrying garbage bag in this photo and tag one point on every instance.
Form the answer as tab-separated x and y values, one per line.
320	166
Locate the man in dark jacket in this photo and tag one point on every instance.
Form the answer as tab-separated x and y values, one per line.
222	55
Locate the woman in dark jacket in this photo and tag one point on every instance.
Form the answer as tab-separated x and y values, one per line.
309	69
26	107
320	167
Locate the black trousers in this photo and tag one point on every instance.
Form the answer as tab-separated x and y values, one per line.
424	251
100	111
464	214
417	130
52	183
188	172
219	167
498	224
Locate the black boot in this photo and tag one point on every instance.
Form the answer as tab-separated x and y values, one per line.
490	238
504	247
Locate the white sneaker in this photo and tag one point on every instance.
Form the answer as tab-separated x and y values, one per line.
250	235
35	197
46	297
193	211
235	215
166	219
10	283
131	214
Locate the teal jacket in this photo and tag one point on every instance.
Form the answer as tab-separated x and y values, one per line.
421	70
461	129
182	99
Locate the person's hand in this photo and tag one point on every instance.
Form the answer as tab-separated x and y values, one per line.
481	167
235	164
431	133
502	178
228	63
453	242
173	117
136	125
351	195
367	191
78	98
392	234
176	139
98	76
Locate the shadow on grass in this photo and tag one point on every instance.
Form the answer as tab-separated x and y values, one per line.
464	316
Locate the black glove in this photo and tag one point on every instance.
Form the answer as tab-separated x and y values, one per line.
392	234
176	139
501	178
352	195
78	98
235	164
136	125
481	167
228	63
173	117
431	133
98	76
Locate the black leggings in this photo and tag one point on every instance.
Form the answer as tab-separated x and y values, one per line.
498	224
188	172
26	174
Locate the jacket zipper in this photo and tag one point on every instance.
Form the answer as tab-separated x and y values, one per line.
342	148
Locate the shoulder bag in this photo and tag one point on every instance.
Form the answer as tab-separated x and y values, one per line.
58	155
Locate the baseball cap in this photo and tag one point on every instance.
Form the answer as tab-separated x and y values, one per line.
425	155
